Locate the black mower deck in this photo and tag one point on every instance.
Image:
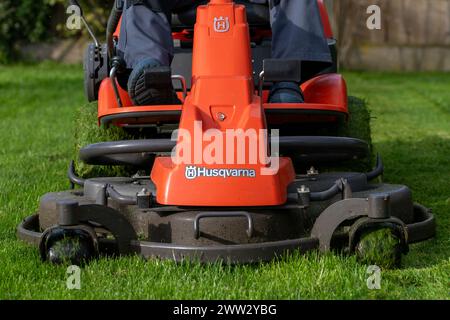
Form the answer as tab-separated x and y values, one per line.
324	211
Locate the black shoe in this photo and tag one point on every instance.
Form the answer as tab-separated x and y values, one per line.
286	92
150	84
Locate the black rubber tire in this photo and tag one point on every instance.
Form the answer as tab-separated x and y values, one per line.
381	248
70	247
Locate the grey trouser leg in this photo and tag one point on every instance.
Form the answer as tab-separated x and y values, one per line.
298	34
297	31
296	25
147	34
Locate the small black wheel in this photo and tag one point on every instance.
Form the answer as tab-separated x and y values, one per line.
381	247
69	246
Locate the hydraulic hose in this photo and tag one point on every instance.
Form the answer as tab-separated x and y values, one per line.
377	171
326	194
73	178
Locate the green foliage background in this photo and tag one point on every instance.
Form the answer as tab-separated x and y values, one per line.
28	21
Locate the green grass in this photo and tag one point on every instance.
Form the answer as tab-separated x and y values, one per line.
411	129
87	132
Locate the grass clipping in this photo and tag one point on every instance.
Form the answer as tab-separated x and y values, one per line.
88	132
357	126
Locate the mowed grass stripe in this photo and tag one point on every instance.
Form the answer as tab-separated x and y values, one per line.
37	108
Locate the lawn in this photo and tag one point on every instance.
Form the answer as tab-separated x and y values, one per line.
411	129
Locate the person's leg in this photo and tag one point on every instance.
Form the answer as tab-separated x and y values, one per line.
297	34
145	44
144	34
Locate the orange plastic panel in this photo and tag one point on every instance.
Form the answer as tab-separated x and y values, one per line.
222	97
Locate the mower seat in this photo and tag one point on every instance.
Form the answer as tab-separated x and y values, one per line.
257	15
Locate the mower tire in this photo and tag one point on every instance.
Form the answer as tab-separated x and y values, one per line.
381	248
69	246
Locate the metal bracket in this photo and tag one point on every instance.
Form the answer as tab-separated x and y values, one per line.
73	215
182	80
333	216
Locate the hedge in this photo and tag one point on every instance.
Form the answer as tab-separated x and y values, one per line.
31	21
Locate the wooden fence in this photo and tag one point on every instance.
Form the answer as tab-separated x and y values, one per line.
414	35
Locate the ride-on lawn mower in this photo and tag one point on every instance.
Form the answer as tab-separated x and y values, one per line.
189	206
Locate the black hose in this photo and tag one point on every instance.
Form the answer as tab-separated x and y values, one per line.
377	171
325	145
73	178
326	194
120	198
113	22
130	152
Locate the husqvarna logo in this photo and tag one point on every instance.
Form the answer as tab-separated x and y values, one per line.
221	24
197	150
193	172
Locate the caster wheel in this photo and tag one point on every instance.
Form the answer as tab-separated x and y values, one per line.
380	247
69	246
